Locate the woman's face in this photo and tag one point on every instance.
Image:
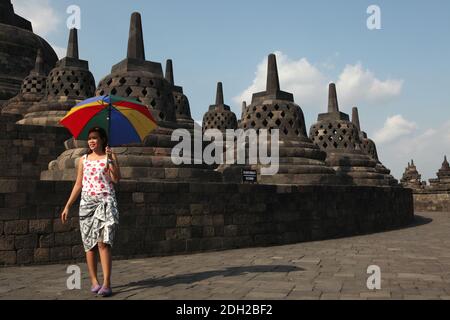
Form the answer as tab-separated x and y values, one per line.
94	141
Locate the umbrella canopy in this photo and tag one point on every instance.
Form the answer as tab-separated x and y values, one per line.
125	120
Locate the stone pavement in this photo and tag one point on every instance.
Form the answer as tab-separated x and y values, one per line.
414	262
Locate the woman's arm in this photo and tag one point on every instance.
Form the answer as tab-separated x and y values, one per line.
75	191
114	169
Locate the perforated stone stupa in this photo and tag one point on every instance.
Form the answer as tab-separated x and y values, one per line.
67	84
32	90
411	177
219	115
182	108
18	50
135	77
301	161
442	182
335	134
368	147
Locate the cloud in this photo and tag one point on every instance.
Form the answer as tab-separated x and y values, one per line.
41	14
300	77
309	83
426	146
357	84
394	127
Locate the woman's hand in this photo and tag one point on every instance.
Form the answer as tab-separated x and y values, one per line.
108	152
64	215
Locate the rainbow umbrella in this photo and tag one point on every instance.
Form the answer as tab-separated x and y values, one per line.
125	120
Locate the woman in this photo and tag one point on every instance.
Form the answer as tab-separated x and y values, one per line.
99	217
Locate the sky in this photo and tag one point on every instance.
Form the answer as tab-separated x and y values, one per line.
398	76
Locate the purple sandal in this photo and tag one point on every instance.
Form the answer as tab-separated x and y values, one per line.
96	289
105	292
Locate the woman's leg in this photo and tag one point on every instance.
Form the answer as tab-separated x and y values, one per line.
105	258
91	258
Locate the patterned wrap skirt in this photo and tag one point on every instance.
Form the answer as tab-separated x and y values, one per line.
99	218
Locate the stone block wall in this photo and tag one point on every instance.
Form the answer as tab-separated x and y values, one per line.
428	201
177	218
25	151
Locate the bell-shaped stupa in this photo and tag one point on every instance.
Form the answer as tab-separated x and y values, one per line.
32	90
69	83
335	134
300	161
219	115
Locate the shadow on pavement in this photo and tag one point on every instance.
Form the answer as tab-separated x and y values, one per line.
199	276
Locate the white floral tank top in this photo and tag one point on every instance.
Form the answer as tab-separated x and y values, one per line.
96	179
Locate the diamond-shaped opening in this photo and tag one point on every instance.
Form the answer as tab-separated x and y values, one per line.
276	107
278	122
316	133
334	132
330	138
325	145
282	114
339	126
109	81
254	109
56	91
341	138
321	127
321	138
138	80
122	80
101	92
114	91
264	108
270	115
335	145
285	131
325	132
253	124
288	107
66	92
344	131
58	79
258	115
291	122
63	73
161	115
153	103
128	91
265	123
72	85
151	83
144	92
248	116
330	126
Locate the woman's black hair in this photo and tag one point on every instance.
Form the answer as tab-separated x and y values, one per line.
102	133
